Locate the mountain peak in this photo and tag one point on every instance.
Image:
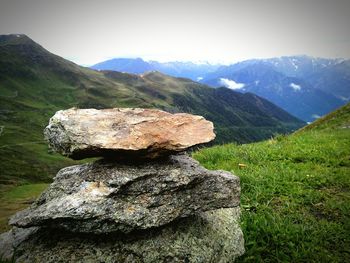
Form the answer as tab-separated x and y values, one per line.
15	39
154	75
130	65
22	44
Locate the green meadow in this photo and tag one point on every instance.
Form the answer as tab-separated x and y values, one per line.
295	199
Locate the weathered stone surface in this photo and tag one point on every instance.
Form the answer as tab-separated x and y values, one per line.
81	133
213	236
10	240
104	197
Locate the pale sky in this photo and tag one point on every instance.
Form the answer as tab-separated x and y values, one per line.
225	31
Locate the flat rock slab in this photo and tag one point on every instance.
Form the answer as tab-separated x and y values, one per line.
213	236
105	197
82	133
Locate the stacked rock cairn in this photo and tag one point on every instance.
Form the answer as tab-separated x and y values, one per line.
145	200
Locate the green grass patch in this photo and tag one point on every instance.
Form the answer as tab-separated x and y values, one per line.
23	192
295	195
15	198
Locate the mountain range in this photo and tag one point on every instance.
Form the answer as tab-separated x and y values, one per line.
35	83
304	86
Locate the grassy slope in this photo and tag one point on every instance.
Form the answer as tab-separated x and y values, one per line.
338	119
295	192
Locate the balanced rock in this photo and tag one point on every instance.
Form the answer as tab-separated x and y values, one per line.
81	133
123	209
106	196
213	236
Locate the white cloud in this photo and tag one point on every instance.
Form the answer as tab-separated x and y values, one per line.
199	78
294	86
231	84
315	116
344	98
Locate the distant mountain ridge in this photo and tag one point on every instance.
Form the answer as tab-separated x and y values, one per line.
35	83
136	66
175	68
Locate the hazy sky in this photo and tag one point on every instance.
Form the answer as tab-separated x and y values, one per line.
88	32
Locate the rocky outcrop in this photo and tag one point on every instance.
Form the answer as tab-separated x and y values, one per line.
104	197
81	133
129	208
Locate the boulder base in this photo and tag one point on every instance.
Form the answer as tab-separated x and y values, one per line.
104	197
213	236
123	132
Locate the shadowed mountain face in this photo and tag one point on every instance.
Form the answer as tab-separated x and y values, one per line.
34	84
305	87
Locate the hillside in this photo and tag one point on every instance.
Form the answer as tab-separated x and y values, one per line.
295	192
338	119
34	84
